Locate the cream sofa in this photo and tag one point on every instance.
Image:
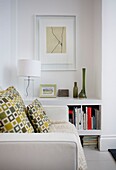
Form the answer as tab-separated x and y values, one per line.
41	151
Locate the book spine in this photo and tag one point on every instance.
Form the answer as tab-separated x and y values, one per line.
80	111
70	115
84	120
77	118
89	112
94	123
74	116
97	118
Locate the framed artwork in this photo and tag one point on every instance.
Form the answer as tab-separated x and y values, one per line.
47	90
55	42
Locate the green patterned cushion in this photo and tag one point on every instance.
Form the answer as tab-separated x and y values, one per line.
1	92
38	117
13	116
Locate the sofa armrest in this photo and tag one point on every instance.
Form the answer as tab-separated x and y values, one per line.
45	151
57	113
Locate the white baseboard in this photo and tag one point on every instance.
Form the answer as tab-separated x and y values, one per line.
107	142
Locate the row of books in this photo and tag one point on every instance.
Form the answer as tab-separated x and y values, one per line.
90	141
85	117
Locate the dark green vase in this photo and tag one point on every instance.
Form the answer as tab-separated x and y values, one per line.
82	93
75	90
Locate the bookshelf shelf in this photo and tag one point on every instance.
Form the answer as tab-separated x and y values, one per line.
89	132
66	101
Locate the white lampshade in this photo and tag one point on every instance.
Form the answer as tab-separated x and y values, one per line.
29	68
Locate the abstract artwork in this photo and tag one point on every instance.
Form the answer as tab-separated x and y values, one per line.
56	39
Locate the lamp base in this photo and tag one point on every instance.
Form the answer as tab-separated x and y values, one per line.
28	88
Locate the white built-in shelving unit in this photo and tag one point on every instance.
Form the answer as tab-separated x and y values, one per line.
67	101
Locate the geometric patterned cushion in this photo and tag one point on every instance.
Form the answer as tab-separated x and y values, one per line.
13	118
1	92
38	117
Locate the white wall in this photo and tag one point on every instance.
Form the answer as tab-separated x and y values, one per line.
22	41
108	139
5	38
8	75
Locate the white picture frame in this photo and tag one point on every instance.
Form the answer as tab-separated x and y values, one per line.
55	60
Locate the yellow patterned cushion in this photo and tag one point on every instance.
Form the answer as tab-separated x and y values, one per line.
38	117
1	92
13	116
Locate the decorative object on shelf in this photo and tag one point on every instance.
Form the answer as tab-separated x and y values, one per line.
29	69
47	90
55	41
75	90
63	93
82	93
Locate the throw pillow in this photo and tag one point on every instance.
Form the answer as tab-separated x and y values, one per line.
13	116
38	117
1	91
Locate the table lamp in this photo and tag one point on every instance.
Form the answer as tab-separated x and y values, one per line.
30	69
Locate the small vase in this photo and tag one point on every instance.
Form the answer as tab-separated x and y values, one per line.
75	90
82	93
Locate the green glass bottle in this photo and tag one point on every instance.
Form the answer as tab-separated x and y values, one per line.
75	90
82	93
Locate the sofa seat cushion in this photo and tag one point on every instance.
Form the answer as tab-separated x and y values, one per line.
38	117
13	118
